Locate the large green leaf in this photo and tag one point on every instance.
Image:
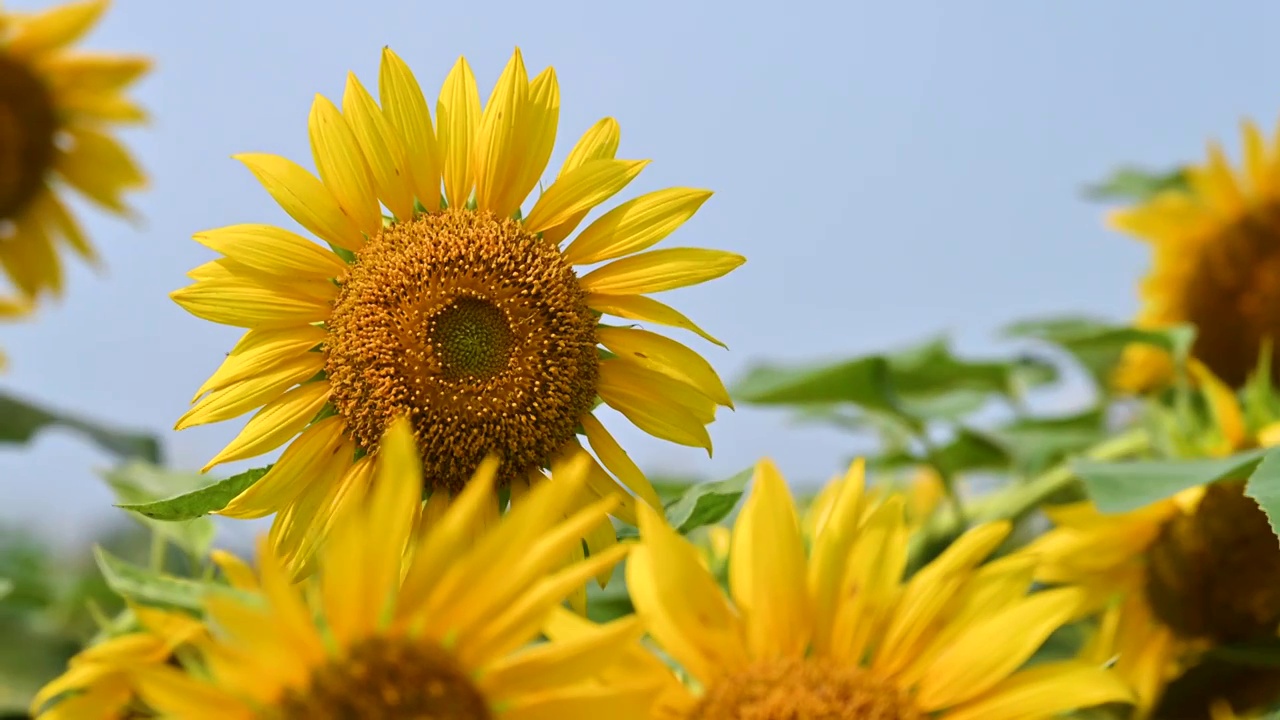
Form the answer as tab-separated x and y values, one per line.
1264	487
139	483
1097	344
707	503
20	421
1036	443
1123	486
197	503
147	587
1133	184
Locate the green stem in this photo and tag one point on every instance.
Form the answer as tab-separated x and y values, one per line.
158	548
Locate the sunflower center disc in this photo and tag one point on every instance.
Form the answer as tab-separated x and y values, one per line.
815	688
384	679
1234	298
27	127
1212	574
475	330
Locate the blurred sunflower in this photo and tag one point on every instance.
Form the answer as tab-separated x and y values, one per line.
840	633
56	108
458	310
97	684
1215	264
405	619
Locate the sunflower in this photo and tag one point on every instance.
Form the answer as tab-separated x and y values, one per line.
97	684
412	619
56	108
1171	580
840	633
456	310
1216	264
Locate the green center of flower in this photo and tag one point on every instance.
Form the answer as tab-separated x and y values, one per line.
475	330
814	688
28	125
387	679
1212	573
472	337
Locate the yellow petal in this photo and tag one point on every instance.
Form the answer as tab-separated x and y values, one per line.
54	28
342	166
635	225
1045	691
767	569
598	143
241	397
275	424
249	305
395	502
639	307
659	270
237	572
869	584
297	466
305	198
834	535
388	161
406	110
457	124
583	701
175	693
273	250
681	604
566	662
581	189
100	167
260	351
968	667
661	416
538	130
667	357
618	462
1255	159
1224	406
498	153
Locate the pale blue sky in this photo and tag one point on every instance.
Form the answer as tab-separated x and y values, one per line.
890	170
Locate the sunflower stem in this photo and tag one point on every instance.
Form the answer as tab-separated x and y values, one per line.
158	548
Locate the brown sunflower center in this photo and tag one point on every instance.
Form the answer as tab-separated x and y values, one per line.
474	329
385	679
28	125
813	689
1234	297
1212	573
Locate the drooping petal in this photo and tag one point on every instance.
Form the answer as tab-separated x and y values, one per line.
617	461
666	356
639	307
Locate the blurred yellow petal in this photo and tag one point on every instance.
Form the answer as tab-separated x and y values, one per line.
54	28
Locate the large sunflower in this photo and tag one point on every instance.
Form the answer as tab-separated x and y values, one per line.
412	619
56	109
1215	264
1171	580
840	633
457	310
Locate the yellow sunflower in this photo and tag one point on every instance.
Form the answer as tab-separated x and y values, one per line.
56	109
1172	580
841	633
97	684
412	619
457	310
1215	264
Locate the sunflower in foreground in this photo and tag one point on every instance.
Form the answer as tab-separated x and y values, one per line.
840	633
1173	580
98	684
446	633
457	310
56	109
1215	264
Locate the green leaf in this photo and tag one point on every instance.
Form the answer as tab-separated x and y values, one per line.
970	450
1136	185
1123	486
612	601
6	587
20	421
862	381
139	483
1264	487
707	503
197	503
1038	443
149	588
1097	344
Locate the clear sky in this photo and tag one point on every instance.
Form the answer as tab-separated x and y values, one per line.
891	170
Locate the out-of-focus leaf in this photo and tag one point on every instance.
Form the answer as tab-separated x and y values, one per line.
611	602
1264	487
201	502
970	450
1037	443
1123	486
1097	344
6	587
21	420
1135	185
149	588
139	483
707	503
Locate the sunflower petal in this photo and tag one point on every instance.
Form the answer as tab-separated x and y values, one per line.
659	270
249	305
666	356
639	307
617	461
598	143
406	109
54	28
305	198
635	225
273	250
542	117
499	152
100	167
662	416
1047	690
388	162
297	466
457	125
581	189
241	397
342	166
275	424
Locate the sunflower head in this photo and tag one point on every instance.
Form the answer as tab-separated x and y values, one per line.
56	108
1216	264
449	300
409	615
837	631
